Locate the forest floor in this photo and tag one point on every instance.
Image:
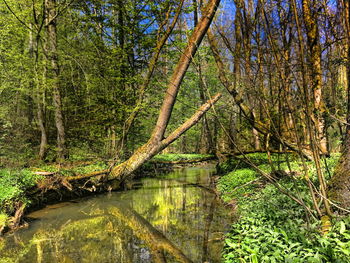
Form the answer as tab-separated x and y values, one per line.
24	189
270	227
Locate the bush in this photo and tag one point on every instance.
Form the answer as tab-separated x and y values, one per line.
13	184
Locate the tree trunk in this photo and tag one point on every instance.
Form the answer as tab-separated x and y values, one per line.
34	53
339	186
313	44
150	70
152	147
43	140
54	73
157	142
205	140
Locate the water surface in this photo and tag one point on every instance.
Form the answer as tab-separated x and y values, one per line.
171	218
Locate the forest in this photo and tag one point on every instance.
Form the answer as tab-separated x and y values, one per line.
232	115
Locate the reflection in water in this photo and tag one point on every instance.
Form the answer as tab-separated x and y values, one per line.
167	219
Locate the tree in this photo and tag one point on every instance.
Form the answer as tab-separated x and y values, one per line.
157	142
53	72
340	182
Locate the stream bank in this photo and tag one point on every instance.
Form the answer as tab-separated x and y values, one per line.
172	217
29	189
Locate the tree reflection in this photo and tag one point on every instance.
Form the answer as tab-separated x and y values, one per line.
166	220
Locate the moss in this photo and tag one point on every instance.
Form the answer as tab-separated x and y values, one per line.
3	221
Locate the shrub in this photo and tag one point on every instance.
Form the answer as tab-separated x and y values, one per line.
13	184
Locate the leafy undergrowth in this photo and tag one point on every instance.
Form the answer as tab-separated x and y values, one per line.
172	157
239	162
15	183
13	187
272	227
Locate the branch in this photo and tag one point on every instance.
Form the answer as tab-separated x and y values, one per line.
21	21
151	67
238	98
191	121
59	12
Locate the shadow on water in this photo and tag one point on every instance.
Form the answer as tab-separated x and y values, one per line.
167	219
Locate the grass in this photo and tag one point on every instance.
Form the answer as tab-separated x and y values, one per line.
271	227
171	157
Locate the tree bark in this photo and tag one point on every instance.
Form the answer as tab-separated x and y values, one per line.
339	186
152	147
151	68
314	47
54	74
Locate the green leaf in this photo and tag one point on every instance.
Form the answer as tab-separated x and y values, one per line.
342	227
254	258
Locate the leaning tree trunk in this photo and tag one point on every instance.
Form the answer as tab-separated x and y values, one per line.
53	73
157	142
161	42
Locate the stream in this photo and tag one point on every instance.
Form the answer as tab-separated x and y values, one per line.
173	217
